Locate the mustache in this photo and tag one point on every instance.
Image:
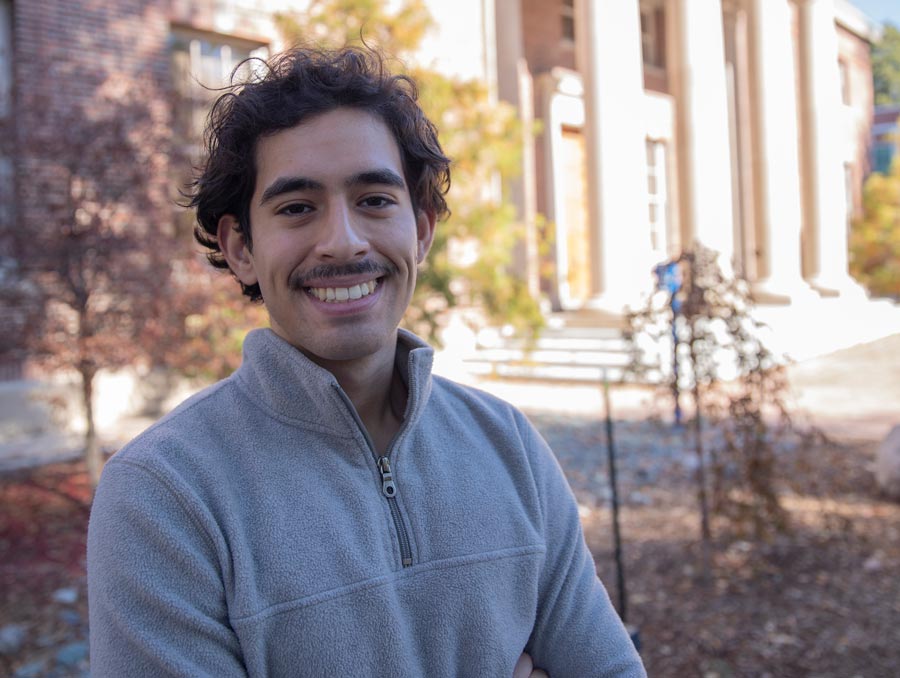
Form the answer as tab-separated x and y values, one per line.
300	279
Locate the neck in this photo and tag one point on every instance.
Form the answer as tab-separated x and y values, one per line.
377	392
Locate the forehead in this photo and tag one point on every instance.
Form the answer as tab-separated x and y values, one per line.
329	147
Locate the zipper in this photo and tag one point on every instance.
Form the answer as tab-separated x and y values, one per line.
389	490
388	485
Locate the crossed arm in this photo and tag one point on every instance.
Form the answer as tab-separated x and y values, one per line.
525	669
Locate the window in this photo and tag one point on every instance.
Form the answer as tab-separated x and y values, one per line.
657	198
651	46
882	155
844	71
7	193
567	16
6	58
202	62
849	185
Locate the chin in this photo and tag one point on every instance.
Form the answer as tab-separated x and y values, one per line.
343	351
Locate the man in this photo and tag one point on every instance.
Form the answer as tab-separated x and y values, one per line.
333	509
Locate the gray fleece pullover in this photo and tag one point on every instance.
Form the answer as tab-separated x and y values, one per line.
250	532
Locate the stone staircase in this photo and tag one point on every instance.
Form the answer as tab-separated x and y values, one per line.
582	347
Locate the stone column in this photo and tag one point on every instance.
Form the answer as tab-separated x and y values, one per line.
696	60
514	86
561	104
825	245
609	58
776	161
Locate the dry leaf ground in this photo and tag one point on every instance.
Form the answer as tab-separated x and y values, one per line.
823	600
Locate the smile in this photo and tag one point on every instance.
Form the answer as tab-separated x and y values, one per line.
339	295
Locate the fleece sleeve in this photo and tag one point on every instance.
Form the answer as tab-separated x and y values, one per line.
155	584
577	632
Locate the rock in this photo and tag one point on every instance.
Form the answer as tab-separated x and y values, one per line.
689	462
887	464
30	670
66	596
12	636
47	640
639	499
72	654
647	475
70	617
872	564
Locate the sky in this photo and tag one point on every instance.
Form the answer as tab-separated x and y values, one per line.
880	10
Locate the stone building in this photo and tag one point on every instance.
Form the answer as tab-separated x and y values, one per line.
885	137
741	123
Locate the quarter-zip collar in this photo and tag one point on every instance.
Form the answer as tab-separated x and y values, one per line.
292	387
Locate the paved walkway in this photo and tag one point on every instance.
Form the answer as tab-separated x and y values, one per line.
854	392
851	393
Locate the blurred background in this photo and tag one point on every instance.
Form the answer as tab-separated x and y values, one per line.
696	201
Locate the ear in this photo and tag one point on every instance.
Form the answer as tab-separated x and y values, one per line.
425	223
234	249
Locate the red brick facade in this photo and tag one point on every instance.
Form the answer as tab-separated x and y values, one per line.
542	29
859	97
66	56
72	61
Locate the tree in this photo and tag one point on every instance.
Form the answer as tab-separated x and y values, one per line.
484	140
886	66
209	319
736	387
335	23
875	236
97	248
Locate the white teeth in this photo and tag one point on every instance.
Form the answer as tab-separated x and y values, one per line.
339	294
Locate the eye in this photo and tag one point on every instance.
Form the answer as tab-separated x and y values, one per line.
295	209
377	201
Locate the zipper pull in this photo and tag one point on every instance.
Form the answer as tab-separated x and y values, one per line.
387	479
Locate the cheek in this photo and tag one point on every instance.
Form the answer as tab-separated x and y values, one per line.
279	255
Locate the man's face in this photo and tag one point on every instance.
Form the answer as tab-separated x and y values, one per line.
335	239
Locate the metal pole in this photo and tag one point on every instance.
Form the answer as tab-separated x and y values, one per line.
633	632
617	537
676	391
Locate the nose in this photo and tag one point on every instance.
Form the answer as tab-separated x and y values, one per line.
341	238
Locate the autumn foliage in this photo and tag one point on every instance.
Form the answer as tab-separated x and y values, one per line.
735	390
482	137
875	236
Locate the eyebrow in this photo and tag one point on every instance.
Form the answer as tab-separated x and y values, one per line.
376	177
284	185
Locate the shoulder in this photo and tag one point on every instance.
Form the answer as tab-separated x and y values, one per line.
447	393
174	470
192	429
469	409
449	389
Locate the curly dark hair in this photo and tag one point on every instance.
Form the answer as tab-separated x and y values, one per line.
293	87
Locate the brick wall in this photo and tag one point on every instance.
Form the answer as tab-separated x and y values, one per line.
542	31
854	52
73	60
68	54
